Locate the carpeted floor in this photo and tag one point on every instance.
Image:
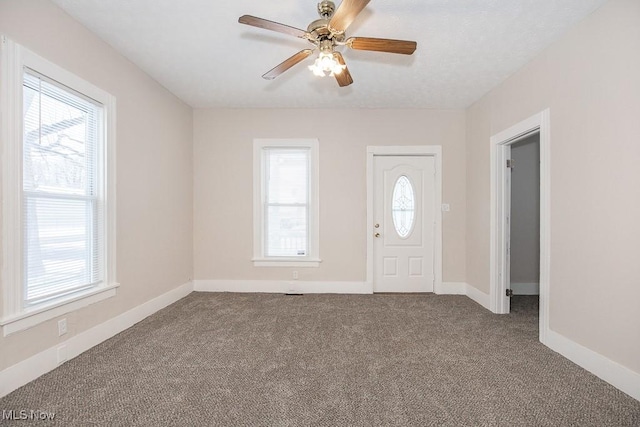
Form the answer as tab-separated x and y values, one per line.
364	360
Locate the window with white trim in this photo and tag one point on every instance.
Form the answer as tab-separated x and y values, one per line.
57	190
286	203
62	202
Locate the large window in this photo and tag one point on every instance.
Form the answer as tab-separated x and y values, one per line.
285	203
62	201
57	190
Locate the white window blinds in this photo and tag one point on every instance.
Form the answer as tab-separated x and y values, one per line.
63	171
287	202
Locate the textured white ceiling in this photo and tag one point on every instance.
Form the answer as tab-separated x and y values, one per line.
197	49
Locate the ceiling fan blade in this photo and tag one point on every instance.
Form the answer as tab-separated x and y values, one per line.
344	78
273	26
403	47
290	62
346	13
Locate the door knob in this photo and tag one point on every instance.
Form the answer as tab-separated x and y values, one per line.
377	234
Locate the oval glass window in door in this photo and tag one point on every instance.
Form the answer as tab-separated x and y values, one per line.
403	206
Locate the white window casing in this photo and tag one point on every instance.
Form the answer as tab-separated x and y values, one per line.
285	203
59	226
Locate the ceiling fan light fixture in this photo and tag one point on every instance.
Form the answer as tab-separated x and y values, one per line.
327	33
326	65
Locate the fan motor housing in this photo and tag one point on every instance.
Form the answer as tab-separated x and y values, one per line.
319	28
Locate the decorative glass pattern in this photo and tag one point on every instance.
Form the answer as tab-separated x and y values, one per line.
403	206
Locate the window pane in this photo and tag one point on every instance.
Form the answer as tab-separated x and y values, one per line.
286	231
60	132
62	215
288	171
402	208
58	246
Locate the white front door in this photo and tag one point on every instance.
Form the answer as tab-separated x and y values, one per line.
404	223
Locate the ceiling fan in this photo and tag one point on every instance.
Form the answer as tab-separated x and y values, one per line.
326	34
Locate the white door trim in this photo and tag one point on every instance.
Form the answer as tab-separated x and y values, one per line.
499	146
409	150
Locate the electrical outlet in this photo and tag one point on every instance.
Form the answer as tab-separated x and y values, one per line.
445	207
295	274
62	354
62	327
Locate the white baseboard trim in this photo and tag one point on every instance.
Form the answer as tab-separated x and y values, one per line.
29	369
525	288
308	287
612	372
452	288
478	296
606	369
282	286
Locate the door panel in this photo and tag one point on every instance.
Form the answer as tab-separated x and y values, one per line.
404	212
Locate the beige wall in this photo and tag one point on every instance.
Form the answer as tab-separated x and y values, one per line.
154	169
223	223
590	81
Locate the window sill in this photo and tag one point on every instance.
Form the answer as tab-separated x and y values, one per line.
36	315
286	262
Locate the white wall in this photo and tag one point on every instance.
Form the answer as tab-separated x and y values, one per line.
223	141
589	81
154	170
525	213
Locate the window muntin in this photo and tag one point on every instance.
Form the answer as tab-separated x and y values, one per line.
403	206
62	215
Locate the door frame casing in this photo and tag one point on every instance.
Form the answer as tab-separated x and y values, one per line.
434	151
500	142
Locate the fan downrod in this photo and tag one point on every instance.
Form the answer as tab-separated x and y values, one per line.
319	29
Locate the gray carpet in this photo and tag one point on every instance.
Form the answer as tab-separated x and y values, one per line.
249	359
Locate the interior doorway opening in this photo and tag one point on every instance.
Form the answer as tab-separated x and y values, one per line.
523	214
535	128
